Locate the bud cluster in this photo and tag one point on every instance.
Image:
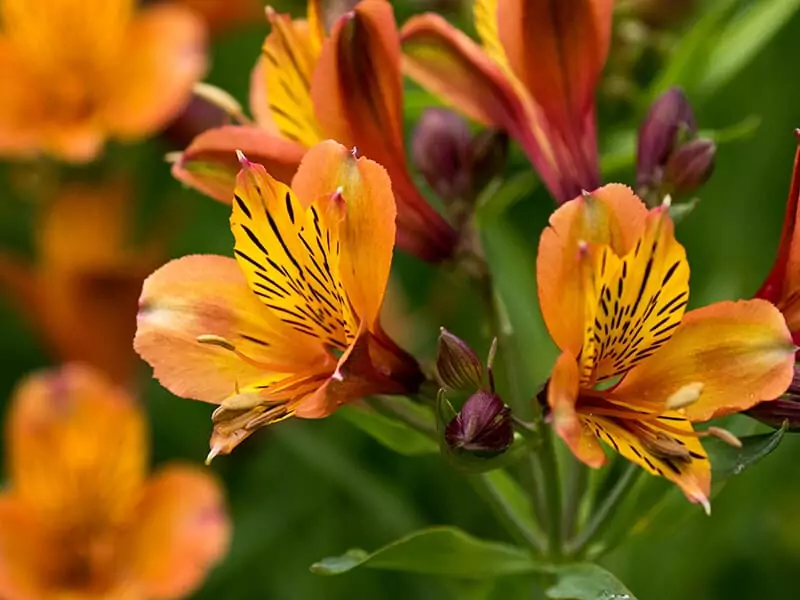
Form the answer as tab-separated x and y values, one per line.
671	157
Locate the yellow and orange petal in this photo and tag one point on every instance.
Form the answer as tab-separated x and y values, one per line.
179	532
611	215
741	352
77	449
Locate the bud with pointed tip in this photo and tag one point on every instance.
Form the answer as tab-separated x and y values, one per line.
669	119
439	148
483	426
690	166
458	366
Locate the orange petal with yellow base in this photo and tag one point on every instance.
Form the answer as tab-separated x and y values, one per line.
198	296
77	449
179	532
367	230
357	93
741	353
611	215
166	57
209	164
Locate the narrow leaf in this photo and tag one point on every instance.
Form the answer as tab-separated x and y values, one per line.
584	581
727	461
393	434
446	551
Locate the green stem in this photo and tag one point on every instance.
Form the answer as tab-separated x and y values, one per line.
506	514
575	489
600	518
552	492
385	406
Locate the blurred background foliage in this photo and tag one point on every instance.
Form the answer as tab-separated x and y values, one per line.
304	490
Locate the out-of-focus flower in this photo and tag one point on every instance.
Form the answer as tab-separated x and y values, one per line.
635	371
534	76
782	285
80	518
308	87
455	163
114	72
670	158
293	328
81	293
222	16
482	427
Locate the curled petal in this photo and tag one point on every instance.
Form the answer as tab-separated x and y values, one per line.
741	352
367	231
209	164
182	514
77	448
241	344
357	91
611	215
166	58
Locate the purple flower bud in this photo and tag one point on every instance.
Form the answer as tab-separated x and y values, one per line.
670	117
690	166
440	149
458	366
785	408
483	427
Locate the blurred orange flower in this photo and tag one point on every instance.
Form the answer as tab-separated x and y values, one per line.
81	294
79	518
635	370
76	72
292	329
222	16
534	76
308	87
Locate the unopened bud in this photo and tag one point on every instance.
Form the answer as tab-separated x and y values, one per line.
482	428
669	119
439	148
784	409
690	166
458	366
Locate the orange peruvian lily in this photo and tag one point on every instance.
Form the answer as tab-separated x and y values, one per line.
80	295
635	370
782	286
80	519
534	76
308	87
76	72
293	328
221	16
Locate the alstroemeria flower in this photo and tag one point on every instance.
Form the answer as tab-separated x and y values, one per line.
308	87
79	518
635	371
534	76
782	286
80	294
222	16
291	326
77	72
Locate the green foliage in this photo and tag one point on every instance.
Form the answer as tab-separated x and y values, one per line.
727	461
583	581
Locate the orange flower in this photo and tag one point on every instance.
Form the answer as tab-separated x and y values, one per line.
81	295
223	15
308	87
79	518
635	371
535	76
782	286
293	328
76	72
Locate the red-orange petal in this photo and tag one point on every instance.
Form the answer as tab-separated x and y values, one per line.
611	215
209	164
741	353
181	530
357	93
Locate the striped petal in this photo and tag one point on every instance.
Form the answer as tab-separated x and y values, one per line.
740	352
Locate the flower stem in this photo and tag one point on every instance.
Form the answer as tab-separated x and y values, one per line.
575	489
600	518
548	468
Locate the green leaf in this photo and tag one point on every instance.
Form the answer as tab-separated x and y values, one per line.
391	433
727	461
446	551
584	581
514	497
498	197
743	38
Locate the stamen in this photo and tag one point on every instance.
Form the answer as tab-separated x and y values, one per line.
724	435
685	396
667	201
213	453
215	340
